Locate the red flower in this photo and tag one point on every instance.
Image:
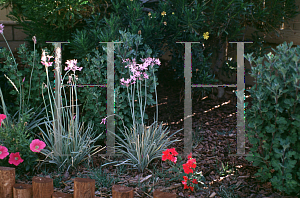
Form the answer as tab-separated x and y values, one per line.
195	181
192	188
184	184
169	155
192	163
187	169
15	159
185	178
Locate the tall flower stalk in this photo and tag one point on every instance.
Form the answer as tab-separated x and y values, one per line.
139	72
142	144
75	144
34	43
1	32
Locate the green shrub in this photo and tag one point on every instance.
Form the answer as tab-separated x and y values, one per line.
15	136
33	72
273	122
49	20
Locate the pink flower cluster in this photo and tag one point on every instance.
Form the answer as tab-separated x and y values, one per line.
136	69
1	28
72	65
15	158
44	59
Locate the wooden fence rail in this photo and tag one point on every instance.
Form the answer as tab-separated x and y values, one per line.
43	188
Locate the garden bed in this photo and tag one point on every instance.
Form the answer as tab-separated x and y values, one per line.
216	140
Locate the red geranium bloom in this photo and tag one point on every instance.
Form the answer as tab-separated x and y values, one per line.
187	169
192	163
192	188
195	181
169	155
185	186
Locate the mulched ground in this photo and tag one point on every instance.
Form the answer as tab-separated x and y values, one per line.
216	123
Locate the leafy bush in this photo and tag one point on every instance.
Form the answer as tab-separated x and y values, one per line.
273	122
50	20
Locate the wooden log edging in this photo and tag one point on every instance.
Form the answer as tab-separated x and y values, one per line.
7	178
22	191
43	188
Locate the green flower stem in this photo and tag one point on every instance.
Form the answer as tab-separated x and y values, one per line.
31	72
9	48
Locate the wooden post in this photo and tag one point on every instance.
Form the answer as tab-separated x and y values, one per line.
84	188
7	178
42	187
122	191
61	195
22	191
160	194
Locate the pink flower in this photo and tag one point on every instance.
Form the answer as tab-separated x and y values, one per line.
36	145
3	152
70	80
1	28
103	121
72	65
34	39
15	159
2	117
146	76
44	59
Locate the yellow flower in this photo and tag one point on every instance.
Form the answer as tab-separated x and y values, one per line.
163	13
172	12
165	23
149	14
205	35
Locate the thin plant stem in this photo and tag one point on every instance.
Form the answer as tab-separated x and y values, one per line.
9	48
155	95
31	72
140	101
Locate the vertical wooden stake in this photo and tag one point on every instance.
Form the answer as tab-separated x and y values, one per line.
22	191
